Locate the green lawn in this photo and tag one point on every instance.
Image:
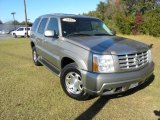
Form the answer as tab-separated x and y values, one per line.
28	92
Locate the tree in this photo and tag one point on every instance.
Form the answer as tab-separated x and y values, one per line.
24	23
137	23
101	10
134	6
151	23
16	22
12	22
130	16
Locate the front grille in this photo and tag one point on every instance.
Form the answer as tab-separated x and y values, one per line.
133	61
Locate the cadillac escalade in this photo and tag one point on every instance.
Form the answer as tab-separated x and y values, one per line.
87	56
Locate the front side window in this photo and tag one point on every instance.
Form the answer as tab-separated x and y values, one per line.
42	25
20	29
53	25
84	26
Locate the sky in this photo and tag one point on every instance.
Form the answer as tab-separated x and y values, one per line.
37	8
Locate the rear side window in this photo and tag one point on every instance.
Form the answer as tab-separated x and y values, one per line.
27	28
35	24
42	25
53	25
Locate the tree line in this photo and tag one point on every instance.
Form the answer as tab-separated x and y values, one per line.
130	16
16	22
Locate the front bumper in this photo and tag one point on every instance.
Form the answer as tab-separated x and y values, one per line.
105	84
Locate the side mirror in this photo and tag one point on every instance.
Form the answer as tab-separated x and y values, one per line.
49	33
113	32
150	46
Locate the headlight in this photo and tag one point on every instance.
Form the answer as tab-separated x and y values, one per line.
149	56
103	64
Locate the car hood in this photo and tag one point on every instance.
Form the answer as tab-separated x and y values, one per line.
109	44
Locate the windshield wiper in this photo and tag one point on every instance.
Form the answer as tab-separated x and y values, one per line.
102	34
78	34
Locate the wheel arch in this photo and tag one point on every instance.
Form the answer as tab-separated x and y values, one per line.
67	60
32	44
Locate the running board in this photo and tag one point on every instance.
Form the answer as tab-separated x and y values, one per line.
49	66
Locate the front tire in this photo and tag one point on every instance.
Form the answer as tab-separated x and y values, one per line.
35	57
71	82
15	36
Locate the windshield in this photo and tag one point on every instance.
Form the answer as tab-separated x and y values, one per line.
83	26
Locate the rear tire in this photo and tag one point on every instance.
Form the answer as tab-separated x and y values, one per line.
26	35
35	57
71	82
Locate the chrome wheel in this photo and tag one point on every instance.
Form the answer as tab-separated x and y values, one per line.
34	56
73	83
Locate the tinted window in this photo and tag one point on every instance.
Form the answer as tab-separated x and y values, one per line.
34	26
42	25
96	26
84	26
53	25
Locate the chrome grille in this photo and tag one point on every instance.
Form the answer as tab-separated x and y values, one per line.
133	61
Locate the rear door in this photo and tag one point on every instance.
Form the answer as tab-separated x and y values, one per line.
40	37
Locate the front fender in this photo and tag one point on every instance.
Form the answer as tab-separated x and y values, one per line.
81	61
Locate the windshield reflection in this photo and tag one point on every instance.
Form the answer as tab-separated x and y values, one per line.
84	26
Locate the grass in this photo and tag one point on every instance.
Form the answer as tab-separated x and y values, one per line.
28	92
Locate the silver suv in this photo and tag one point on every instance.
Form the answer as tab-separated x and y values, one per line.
87	56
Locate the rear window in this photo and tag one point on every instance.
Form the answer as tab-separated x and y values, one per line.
35	24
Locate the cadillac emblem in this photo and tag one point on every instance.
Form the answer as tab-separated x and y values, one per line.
137	61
